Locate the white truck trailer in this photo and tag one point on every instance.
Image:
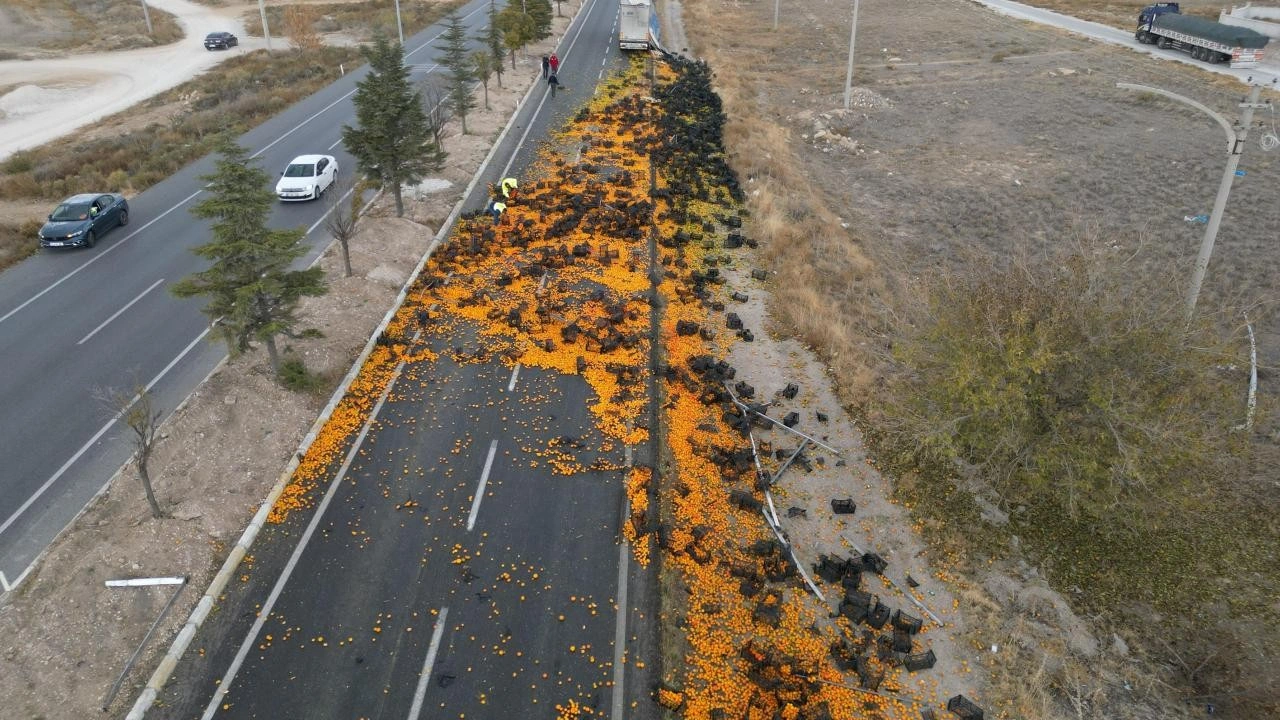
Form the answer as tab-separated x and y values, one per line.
637	25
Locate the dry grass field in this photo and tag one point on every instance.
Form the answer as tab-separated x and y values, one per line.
35	28
358	19
999	137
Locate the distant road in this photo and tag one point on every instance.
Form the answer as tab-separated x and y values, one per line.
1115	36
57	96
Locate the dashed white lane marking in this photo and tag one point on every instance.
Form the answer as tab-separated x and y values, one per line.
420	694
484	480
119	312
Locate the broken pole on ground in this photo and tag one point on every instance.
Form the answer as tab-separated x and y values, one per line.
181	582
776	423
899	588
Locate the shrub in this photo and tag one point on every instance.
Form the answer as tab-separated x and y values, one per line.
295	376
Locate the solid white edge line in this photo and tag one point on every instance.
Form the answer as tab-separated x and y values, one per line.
120	312
97	257
515	373
484	480
520	143
4	584
620	624
212	708
420	693
96	436
620	634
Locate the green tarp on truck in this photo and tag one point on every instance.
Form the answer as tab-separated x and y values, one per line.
1210	30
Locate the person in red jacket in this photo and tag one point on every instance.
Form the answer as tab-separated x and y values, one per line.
554	62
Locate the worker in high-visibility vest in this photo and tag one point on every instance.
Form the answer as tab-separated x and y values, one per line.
509	186
497	207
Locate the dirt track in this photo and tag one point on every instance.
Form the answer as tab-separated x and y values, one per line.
53	97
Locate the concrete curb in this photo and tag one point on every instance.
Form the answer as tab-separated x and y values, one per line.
164	670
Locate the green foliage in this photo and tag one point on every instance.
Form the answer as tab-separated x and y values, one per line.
1070	388
517	29
458	62
392	141
252	294
540	12
295	376
482	67
493	40
1064	382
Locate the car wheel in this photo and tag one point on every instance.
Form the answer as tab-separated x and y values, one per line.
124	218
90	239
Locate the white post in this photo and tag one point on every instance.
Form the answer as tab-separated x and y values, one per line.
146	15
775	13
848	75
399	25
262	10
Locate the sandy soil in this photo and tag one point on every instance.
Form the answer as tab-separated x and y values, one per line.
53	97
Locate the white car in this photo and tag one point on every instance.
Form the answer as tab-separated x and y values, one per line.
307	177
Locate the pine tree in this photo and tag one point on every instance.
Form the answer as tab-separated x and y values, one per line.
540	12
392	142
457	61
252	294
493	40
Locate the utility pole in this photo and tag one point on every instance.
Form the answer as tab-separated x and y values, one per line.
146	15
262	10
848	75
399	25
1236	136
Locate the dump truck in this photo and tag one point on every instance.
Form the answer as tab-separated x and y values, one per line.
637	25
1163	26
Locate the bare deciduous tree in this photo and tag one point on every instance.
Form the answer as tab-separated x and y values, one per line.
343	222
437	109
300	27
138	413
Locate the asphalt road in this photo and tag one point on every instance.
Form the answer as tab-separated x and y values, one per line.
448	571
76	323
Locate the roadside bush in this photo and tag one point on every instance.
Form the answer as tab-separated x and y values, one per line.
295	376
359	19
18	240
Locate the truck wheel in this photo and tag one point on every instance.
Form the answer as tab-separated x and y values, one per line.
1215	58
1163	43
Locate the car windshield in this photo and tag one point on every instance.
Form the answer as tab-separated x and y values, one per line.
67	211
300	170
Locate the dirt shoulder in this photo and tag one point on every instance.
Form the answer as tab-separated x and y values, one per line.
68	635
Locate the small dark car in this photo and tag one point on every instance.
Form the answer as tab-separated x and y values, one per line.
222	40
81	219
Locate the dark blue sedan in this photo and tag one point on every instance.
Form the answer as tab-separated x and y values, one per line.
81	219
